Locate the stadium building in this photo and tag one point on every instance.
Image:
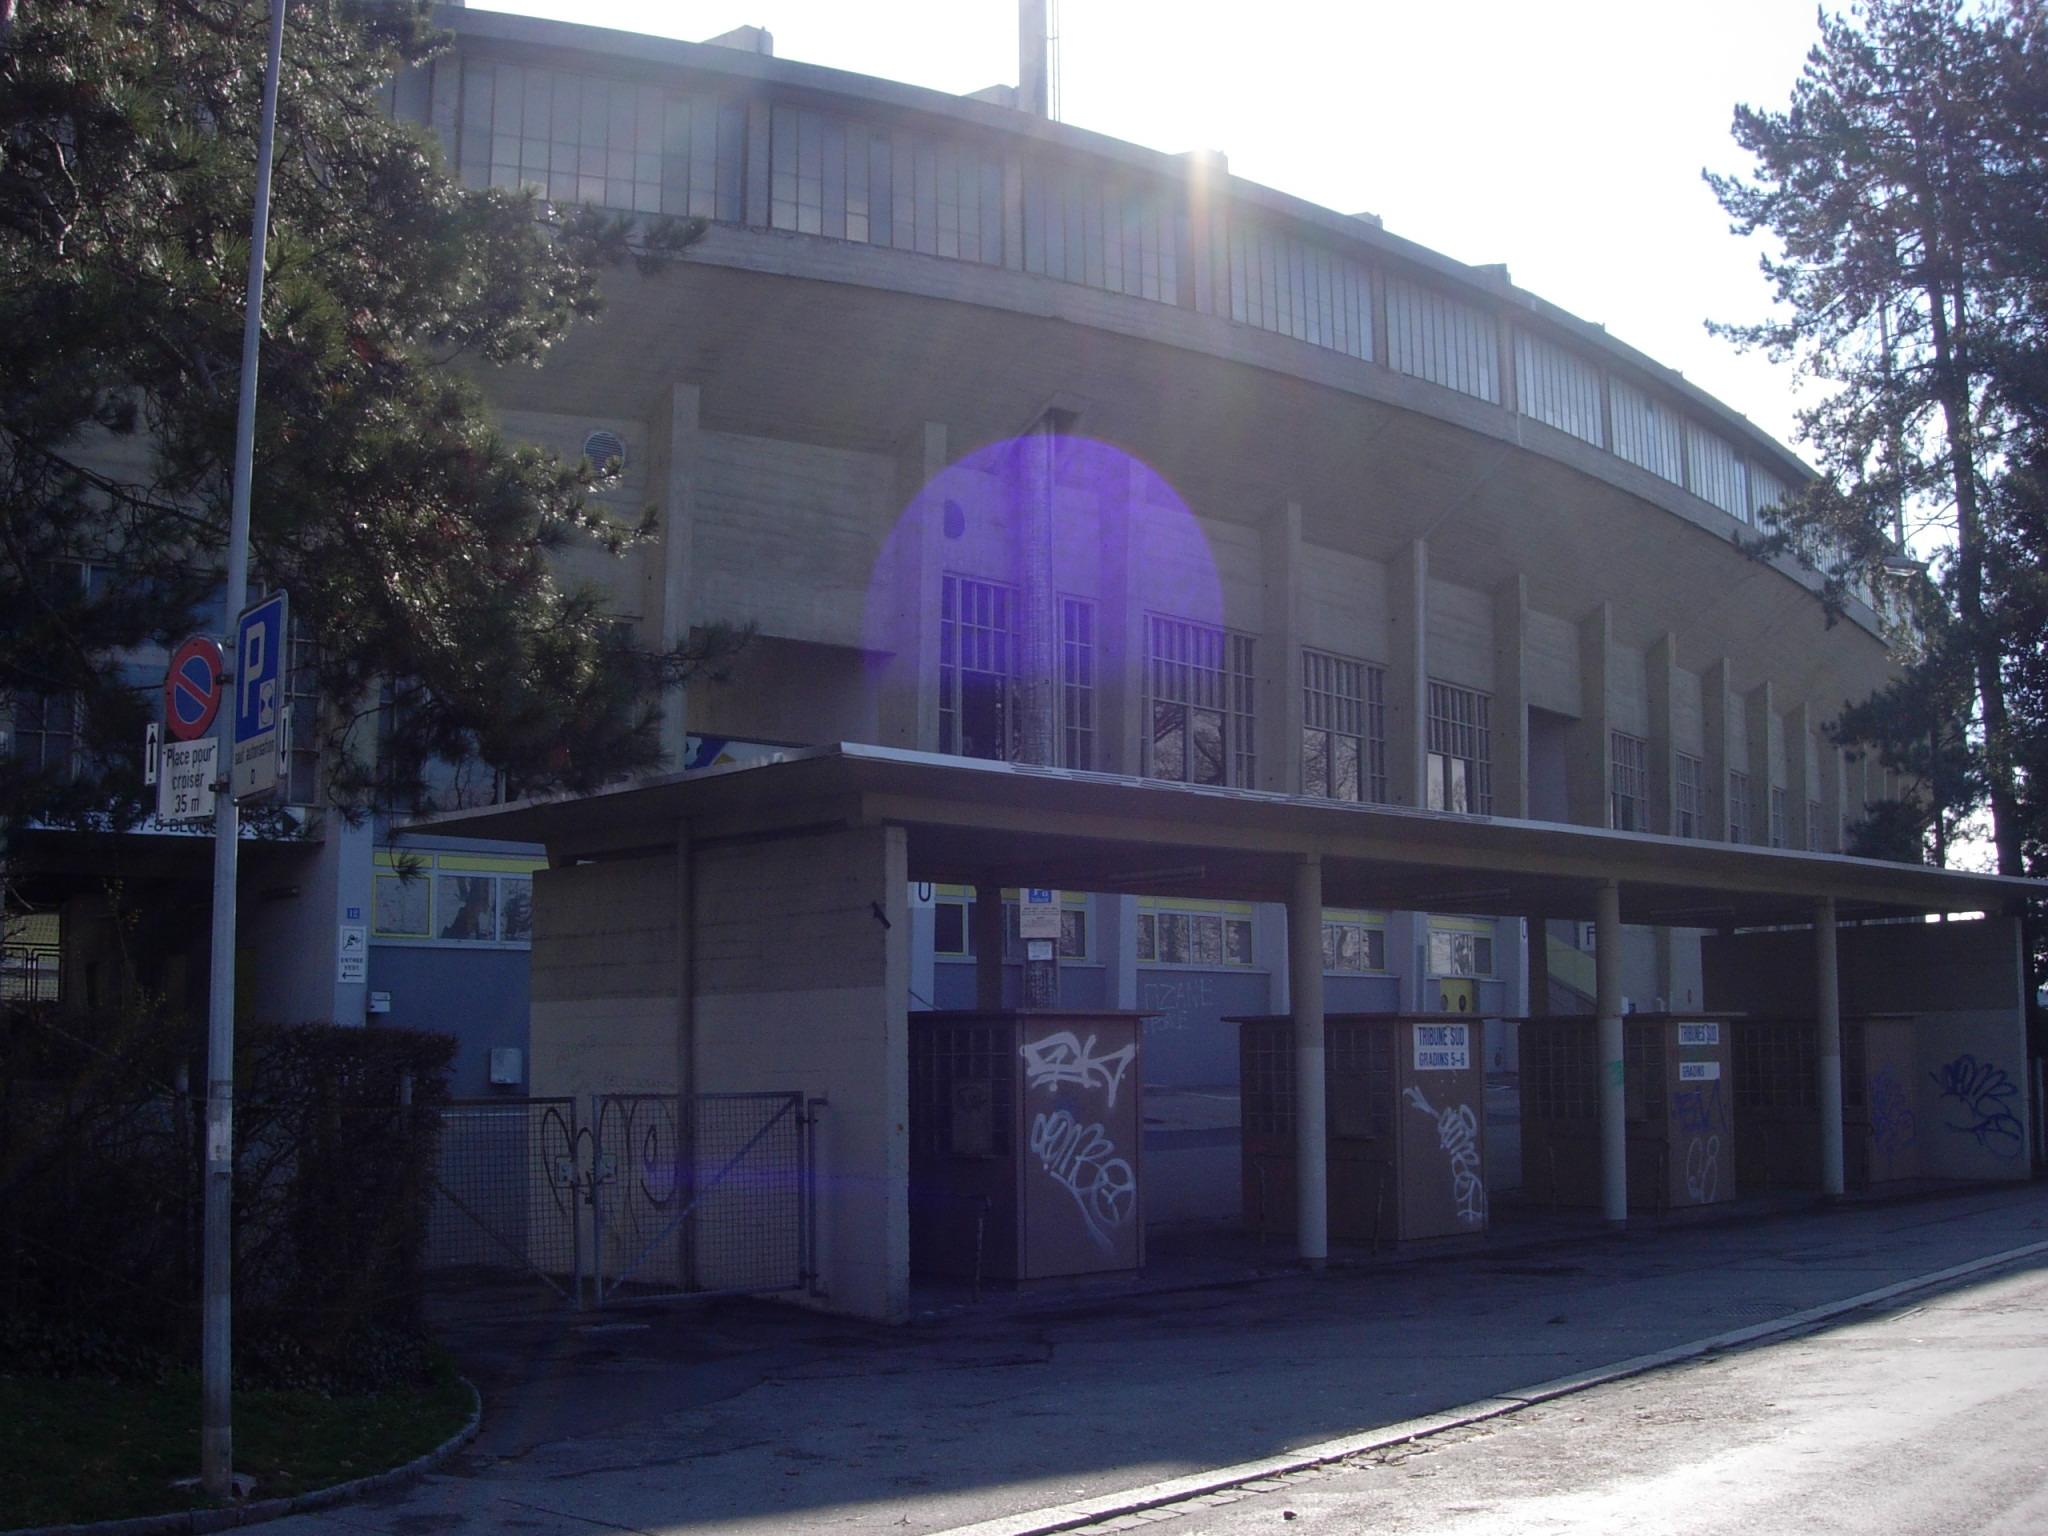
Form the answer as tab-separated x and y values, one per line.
1114	526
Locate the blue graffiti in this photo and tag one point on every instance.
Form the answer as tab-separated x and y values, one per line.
1698	1109
1893	1127
1985	1094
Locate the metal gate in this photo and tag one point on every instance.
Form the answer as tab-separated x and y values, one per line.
504	1192
653	1195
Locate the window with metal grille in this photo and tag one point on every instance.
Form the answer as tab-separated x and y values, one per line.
1647	431
31	947
837	176
44	733
1780	833
1077	682
977	668
1354	946
1460	751
1686	820
1560	1071
1813	826
302	741
1281	283
1444	340
1198	686
1460	953
1774	1065
1738	807
590	139
1170	937
1628	786
1559	389
1343	728
1083	226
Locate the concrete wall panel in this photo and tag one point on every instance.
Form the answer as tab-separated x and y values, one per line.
1460	636
787	534
1553	662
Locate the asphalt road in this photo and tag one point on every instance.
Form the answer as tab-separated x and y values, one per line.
751	1417
1922	1421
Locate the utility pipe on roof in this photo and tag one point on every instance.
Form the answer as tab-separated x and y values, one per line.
1828	1032
1305	1005
1613	1093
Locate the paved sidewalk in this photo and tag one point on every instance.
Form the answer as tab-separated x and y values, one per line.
749	1416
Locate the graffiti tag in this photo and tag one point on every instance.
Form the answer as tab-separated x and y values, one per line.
1457	1133
1698	1110
1703	1169
1082	1160
1062	1058
1985	1094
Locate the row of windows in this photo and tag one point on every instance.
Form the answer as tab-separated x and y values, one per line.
462	898
1629	801
649	150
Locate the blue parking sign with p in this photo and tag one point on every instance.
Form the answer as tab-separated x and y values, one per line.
259	696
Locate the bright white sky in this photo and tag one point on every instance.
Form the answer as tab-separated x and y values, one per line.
1565	138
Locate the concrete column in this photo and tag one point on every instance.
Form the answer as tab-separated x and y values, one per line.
1719	755
1408	675
1828	1035
1538	952
677	455
1511	697
1661	673
1279	658
1761	716
987	918
1305	997
1586	767
1037	685
1613	1098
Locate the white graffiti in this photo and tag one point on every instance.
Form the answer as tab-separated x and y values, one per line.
1082	1160
1062	1058
1703	1170
1457	1132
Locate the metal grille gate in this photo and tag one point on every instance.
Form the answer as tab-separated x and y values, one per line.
653	1195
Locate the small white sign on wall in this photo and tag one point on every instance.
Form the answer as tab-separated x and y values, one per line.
352	954
1443	1047
1699	1034
1699	1071
1038	914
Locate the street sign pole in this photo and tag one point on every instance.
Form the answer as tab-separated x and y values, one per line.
216	1339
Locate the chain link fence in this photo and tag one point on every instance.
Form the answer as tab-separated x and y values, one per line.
652	1195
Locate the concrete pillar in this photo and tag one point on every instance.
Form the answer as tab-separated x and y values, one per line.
1539	967
1279	656
1407	693
676	452
1828	1035
1511	697
987	918
1613	1098
1305	998
1661	673
1037	684
1719	755
1586	766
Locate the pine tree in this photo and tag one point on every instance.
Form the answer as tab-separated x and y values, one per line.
1907	186
415	541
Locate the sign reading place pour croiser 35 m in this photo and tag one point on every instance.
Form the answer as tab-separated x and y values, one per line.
259	697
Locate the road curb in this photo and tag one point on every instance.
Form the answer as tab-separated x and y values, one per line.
1181	1490
198	1521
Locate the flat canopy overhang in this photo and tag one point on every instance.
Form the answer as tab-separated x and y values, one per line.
1011	824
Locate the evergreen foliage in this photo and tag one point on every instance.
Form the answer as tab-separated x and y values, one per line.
414	540
1907	188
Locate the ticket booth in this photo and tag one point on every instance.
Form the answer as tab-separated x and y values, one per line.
1406	1118
1777	1098
1677	1088
1026	1133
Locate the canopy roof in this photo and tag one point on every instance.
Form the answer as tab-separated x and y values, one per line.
1012	824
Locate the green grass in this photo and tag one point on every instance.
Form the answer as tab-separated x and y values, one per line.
82	1450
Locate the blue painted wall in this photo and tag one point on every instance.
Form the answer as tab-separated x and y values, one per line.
477	995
